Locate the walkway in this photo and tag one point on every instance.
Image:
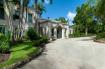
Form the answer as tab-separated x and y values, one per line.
73	53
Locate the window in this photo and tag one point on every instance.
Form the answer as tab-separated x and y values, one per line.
1	11
2	29
30	18
16	15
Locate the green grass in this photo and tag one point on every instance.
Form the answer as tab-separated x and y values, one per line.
19	53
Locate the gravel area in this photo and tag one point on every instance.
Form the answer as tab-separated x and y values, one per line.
72	53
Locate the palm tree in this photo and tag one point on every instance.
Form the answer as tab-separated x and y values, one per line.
8	11
39	8
9	7
62	19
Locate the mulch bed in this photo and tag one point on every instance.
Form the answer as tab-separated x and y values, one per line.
4	57
100	40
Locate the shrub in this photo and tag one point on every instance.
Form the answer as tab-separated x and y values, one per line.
32	35
100	35
4	47
44	39
36	43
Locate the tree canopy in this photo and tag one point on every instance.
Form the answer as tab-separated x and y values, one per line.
62	19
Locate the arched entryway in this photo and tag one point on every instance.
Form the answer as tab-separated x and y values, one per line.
59	32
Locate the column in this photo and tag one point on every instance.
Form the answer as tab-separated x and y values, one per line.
67	32
49	32
63	33
55	33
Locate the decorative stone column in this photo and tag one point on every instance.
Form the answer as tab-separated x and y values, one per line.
63	33
49	32
67	32
55	33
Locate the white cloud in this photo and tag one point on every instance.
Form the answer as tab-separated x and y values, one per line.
71	16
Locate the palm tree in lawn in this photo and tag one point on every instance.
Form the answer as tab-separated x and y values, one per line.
23	5
23	9
39	8
9	7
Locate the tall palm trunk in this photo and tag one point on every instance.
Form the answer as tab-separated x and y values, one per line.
9	17
86	31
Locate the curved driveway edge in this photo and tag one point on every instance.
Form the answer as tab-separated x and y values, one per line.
73	53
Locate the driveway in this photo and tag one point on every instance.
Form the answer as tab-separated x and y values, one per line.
73	53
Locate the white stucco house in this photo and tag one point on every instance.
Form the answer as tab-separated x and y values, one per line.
54	29
50	28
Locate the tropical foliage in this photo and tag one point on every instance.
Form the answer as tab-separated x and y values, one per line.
85	20
62	19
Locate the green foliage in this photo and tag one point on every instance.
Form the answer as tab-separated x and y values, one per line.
32	35
100	12
44	39
4	45
84	19
62	19
19	53
100	35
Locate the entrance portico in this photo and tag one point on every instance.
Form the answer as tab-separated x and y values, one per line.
55	30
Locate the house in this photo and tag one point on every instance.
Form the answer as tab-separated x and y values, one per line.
2	18
50	28
54	29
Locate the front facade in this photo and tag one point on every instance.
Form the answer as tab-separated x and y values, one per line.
54	29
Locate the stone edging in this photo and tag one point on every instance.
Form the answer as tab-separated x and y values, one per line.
23	62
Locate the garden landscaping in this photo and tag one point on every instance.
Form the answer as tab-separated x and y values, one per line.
20	53
16	53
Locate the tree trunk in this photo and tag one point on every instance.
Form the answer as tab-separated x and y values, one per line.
9	19
36	20
86	31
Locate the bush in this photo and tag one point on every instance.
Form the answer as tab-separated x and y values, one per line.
4	47
32	35
100	35
44	39
36	43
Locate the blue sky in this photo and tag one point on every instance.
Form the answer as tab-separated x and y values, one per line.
62	8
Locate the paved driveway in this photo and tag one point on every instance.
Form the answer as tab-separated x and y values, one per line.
73	53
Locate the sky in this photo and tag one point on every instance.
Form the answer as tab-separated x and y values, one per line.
61	8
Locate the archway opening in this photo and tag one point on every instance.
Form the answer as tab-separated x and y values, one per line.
59	32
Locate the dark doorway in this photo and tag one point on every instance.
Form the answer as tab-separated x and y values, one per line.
59	32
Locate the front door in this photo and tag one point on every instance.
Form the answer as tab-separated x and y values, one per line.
59	32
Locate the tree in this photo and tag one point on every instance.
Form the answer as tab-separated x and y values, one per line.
39	8
84	18
19	5
62	19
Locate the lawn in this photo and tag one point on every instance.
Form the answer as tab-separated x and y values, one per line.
20	52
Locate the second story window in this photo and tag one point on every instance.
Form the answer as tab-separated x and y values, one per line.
16	15
1	11
30	18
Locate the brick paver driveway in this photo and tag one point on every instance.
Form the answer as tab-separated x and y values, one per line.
73	53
